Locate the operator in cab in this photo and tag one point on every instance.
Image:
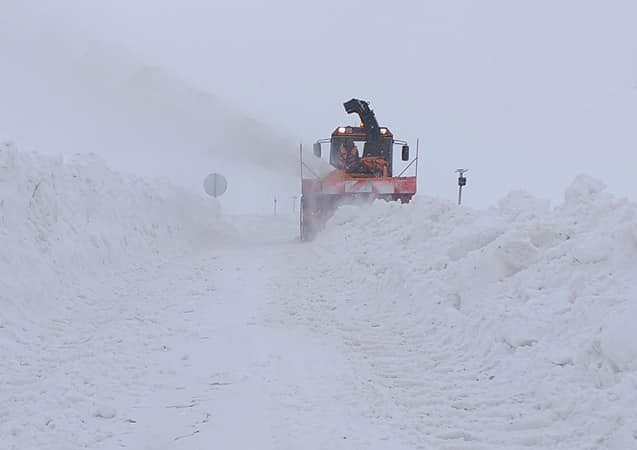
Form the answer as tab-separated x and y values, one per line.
348	156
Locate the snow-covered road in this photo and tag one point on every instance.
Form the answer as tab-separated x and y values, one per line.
192	354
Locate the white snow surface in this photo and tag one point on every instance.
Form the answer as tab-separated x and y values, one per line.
136	315
74	216
511	327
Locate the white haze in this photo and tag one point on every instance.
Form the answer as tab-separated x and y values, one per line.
524	94
67	95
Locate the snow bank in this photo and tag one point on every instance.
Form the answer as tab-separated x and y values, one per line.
65	220
510	327
84	253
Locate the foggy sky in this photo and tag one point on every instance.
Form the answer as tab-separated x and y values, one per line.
525	94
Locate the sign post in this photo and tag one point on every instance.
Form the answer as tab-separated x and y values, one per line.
462	181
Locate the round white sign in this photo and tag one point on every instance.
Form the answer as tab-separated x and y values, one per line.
215	184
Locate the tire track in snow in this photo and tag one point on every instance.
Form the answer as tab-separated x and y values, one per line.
188	353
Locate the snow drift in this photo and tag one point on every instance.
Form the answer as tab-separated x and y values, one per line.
510	327
64	220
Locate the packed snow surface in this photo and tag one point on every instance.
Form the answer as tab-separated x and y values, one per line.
137	315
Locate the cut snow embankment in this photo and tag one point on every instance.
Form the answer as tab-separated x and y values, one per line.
65	216
74	238
511	327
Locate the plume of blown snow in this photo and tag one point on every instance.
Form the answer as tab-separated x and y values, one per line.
64	92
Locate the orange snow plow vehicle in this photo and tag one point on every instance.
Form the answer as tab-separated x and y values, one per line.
363	161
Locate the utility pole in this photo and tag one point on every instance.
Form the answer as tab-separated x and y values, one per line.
275	206
462	181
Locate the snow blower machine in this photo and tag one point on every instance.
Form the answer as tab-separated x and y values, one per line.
363	164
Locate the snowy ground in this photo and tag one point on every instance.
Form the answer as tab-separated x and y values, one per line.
186	358
134	315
